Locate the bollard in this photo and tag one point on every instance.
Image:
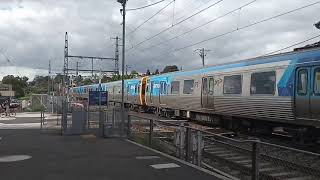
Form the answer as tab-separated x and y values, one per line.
150	132
255	161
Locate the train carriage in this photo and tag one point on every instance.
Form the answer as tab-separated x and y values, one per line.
281	89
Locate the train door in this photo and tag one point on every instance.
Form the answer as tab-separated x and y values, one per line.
302	92
315	96
163	92
207	98
211	92
204	92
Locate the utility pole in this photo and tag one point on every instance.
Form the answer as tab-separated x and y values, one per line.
116	56
202	53
65	85
127	67
49	76
92	68
77	69
123	3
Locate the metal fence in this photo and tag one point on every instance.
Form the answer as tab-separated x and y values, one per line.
236	159
103	121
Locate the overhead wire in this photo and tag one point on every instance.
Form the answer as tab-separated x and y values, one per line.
238	29
200	26
290	46
247	26
180	22
133	9
158	12
196	8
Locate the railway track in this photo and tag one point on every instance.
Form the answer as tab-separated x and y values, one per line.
275	162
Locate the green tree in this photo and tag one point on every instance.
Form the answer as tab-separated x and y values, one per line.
19	84
170	68
87	81
148	72
156	72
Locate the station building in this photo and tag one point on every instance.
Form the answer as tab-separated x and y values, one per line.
6	90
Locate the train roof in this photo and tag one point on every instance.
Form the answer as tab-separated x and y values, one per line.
298	54
252	61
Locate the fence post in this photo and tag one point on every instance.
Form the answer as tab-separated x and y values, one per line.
113	117
199	148
151	132
255	161
41	120
101	123
129	126
188	143
179	142
64	119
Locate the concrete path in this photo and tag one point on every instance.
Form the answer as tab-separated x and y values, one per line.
49	156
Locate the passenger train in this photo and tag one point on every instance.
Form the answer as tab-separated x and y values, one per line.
281	90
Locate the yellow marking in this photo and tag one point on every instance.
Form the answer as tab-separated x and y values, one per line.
88	136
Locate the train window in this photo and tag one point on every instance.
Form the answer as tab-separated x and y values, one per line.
263	83
317	82
175	86
232	84
188	86
211	86
205	86
302	84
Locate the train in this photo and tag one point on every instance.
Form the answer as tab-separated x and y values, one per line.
279	91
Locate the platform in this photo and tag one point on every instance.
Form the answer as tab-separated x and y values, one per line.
86	157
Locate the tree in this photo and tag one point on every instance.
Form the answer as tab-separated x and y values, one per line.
170	68
156	72
87	81
148	72
134	74
19	84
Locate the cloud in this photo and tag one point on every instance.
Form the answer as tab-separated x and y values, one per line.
32	32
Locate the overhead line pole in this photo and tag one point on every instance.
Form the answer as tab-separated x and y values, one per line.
123	59
49	76
116	56
123	3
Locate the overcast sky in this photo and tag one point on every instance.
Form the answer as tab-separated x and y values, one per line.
32	32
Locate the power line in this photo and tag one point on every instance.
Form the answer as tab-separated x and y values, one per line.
133	9
192	6
174	25
150	18
237	29
247	26
197	27
301	42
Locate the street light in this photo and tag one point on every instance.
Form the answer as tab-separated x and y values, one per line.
317	25
123	3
